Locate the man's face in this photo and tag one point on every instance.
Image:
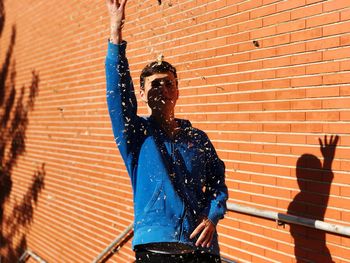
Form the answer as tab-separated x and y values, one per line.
160	91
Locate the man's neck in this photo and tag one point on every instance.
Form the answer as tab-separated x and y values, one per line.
167	123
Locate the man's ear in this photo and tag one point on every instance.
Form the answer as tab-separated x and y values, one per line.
143	95
177	89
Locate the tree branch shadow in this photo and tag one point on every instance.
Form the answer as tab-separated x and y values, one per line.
15	106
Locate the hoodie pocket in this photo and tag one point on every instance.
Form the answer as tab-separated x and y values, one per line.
156	202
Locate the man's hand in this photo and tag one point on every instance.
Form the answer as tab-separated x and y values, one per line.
207	230
328	150
116	10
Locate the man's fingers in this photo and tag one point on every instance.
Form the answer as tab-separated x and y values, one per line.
113	3
197	230
320	142
210	238
123	3
202	237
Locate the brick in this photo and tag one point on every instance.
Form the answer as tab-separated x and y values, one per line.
276	62
250	25
210	6
345	14
322	116
276	128
263	138
238	18
344	65
278	105
334	5
323	43
262	117
306	81
249	5
290	26
291	116
345	40
262	11
250	66
342	52
227	11
335	128
306	34
286	5
322	92
258	54
263	74
339	28
323	68
262	96
250	86
336	78
276	83
336	103
274	41
263	32
237	38
245	47
290	49
306	11
344	116
276	19
306	58
291	94
324	19
290	71
306	104
250	188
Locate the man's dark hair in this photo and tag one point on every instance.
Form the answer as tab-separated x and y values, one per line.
154	68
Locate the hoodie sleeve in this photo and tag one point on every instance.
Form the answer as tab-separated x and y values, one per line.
216	189
121	101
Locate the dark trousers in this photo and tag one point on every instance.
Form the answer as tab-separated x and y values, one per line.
195	257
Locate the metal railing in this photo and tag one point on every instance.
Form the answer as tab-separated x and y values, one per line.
290	219
113	244
278	217
116	241
28	253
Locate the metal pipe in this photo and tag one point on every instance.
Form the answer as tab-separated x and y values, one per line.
29	253
113	244
285	218
317	224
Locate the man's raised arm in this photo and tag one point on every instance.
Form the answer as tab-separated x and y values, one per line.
121	100
117	17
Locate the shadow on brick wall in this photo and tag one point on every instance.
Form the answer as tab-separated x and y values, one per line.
2	16
314	180
14	109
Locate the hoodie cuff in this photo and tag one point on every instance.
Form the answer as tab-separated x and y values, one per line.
116	50
214	219
211	215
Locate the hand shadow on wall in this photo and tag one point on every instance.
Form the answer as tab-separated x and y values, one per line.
14	119
314	180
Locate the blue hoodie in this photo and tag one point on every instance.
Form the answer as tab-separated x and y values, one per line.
175	181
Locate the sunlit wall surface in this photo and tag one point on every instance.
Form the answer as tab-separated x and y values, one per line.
266	79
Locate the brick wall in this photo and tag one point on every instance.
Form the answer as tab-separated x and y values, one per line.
266	79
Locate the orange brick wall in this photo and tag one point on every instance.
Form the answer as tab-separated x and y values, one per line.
65	193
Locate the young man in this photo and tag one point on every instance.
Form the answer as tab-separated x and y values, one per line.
177	178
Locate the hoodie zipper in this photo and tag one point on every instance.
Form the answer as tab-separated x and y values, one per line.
183	212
